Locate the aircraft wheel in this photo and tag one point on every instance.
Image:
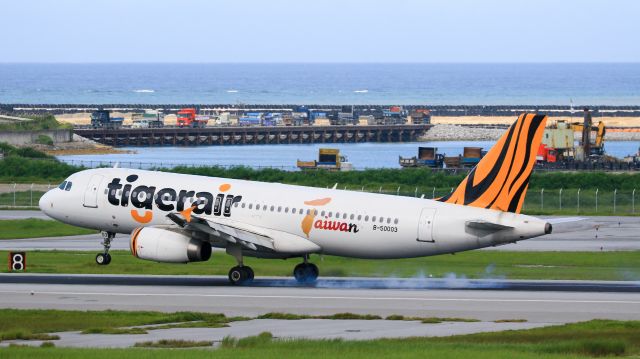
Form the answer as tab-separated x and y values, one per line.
249	271
103	259
240	275
306	273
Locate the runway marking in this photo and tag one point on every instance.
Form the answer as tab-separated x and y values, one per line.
244	296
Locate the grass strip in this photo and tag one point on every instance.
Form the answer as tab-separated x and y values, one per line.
623	265
596	338
29	322
35	228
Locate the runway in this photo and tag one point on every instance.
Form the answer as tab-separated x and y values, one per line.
615	233
535	301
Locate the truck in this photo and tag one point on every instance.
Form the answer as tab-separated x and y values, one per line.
251	119
103	119
148	119
187	117
427	157
469	158
328	159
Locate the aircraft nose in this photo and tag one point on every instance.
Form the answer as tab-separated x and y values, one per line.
45	203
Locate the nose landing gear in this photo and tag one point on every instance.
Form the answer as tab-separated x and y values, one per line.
104	258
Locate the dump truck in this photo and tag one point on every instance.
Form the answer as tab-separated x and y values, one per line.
469	158
427	157
328	159
187	117
148	119
103	119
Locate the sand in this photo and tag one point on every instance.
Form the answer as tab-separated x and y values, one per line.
85	119
458	120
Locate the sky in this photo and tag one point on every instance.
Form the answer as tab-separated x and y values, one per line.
230	31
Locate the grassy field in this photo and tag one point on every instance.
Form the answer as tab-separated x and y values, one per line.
580	340
475	264
34	228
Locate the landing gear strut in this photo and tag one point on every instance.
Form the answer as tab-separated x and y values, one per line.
306	272
105	258
239	274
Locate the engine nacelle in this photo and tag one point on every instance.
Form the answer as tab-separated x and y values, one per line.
163	245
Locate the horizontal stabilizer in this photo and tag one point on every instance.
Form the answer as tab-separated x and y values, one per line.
564	220
486	226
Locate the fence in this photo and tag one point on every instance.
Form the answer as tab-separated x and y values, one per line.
537	201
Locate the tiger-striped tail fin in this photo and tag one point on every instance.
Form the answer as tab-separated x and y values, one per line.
500	180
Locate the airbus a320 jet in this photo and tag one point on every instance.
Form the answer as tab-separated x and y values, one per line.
179	218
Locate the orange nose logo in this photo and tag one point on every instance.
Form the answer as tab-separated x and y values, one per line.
145	218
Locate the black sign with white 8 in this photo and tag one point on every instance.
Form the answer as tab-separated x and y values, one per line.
17	261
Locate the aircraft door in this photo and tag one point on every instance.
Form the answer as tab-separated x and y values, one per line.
425	226
91	192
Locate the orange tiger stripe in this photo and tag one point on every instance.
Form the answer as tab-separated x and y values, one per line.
499	181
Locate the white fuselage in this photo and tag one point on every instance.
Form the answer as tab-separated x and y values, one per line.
347	223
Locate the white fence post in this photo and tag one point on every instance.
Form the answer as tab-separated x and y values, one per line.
31	196
415	194
633	201
398	191
578	200
433	193
560	198
615	193
596	200
541	199
14	194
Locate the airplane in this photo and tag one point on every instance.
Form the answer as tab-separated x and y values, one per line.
178	218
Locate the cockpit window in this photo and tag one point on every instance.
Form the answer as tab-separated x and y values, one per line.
68	187
62	185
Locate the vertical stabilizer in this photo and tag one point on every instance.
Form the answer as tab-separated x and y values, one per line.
500	180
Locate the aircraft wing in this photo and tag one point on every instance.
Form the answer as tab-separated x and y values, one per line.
250	237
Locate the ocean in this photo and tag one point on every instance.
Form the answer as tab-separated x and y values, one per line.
429	84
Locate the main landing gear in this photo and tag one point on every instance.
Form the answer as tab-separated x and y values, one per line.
305	272
241	273
105	258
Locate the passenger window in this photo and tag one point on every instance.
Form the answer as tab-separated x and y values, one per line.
329	214
388	220
242	205
272	208
338	215
308	211
373	219
257	207
344	216
359	217
293	211
322	214
366	218
106	191
279	208
352	216
251	206
395	221
286	209
62	185
381	219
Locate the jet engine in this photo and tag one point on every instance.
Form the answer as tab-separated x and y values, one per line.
168	246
